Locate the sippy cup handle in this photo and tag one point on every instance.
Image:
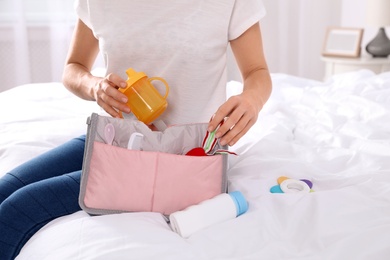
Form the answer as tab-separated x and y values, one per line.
163	81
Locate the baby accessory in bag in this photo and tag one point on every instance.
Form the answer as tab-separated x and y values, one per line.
129	168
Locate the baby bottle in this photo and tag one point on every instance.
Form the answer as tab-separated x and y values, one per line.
209	212
144	100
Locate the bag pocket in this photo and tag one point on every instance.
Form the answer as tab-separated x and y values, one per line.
121	180
182	181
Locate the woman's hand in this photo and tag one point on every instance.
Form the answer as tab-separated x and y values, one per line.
108	96
242	110
240	114
77	76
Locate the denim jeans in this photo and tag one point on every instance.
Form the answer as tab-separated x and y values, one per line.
38	191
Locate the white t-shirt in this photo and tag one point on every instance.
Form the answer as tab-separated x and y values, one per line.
184	42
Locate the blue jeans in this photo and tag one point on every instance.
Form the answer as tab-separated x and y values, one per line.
37	192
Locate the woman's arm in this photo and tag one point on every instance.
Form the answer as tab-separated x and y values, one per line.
77	76
242	110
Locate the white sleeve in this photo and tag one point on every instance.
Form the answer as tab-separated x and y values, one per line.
245	14
82	9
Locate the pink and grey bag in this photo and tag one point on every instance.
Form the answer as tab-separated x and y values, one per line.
129	168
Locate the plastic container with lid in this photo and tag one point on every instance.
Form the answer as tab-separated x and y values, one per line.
145	102
207	213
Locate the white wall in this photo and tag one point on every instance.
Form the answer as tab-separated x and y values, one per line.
353	15
294	32
34	39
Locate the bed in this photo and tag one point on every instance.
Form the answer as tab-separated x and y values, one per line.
335	134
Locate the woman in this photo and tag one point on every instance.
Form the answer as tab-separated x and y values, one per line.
184	42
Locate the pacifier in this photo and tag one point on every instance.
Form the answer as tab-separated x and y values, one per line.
287	185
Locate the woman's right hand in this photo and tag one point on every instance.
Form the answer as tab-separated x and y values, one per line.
78	79
108	96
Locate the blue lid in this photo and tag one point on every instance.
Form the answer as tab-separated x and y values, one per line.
240	201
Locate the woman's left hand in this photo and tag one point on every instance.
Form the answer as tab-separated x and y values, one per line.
240	114
241	111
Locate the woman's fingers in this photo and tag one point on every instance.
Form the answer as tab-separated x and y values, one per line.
109	97
238	115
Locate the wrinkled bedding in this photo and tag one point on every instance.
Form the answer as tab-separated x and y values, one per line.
335	134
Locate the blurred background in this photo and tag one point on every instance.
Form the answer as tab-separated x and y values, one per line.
35	35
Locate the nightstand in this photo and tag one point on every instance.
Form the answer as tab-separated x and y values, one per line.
335	65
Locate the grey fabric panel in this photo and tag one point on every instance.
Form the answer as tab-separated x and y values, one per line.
177	139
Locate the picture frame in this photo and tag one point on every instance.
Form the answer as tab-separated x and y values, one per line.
343	42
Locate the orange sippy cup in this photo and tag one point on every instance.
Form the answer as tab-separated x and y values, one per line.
144	100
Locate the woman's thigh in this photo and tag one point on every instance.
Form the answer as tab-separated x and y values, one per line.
31	207
63	159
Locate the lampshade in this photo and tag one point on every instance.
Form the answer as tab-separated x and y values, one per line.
378	13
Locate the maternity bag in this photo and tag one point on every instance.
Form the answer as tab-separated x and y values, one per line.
129	168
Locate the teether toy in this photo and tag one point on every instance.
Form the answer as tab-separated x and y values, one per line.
287	185
294	186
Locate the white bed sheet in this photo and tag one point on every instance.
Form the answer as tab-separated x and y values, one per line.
336	134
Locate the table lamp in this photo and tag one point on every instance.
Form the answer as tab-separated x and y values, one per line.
378	15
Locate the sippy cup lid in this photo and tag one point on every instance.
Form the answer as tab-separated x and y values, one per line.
239	201
134	76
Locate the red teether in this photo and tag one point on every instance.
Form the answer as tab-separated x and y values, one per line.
197	151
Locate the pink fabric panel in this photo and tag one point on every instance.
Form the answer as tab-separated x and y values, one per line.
120	179
127	180
183	181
